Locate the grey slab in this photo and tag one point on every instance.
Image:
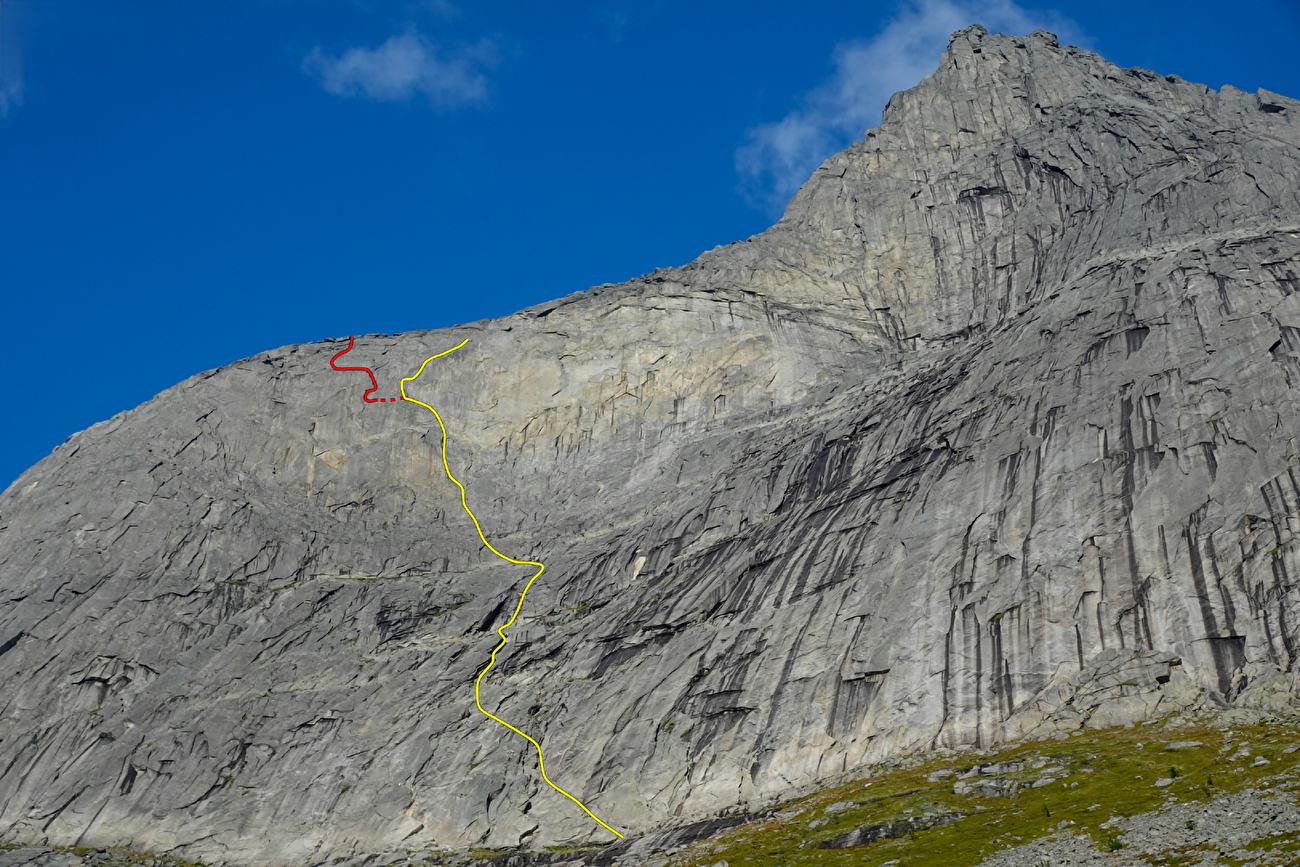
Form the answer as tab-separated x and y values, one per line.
992	435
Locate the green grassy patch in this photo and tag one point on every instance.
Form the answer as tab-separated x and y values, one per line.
483	854
1107	774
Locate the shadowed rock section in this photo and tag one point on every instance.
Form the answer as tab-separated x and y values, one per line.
994	433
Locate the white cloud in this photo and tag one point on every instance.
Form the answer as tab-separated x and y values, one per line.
404	66
780	156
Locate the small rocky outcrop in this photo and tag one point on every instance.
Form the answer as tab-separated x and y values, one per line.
900	827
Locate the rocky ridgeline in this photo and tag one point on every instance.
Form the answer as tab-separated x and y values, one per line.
992	436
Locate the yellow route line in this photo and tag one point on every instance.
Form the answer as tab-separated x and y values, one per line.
501	630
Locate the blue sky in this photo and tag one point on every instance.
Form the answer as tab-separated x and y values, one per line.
186	184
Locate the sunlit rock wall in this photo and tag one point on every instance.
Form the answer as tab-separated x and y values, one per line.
993	434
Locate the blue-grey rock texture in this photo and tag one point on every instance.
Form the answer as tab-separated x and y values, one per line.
993	435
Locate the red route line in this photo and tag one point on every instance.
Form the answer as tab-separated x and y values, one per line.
374	384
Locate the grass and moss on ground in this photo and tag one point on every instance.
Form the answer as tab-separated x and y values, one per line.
1095	777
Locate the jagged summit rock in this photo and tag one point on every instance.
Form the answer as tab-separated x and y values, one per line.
993	434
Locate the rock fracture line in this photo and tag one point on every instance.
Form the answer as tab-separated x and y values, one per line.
501	630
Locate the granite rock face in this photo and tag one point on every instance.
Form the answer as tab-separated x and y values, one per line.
994	434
